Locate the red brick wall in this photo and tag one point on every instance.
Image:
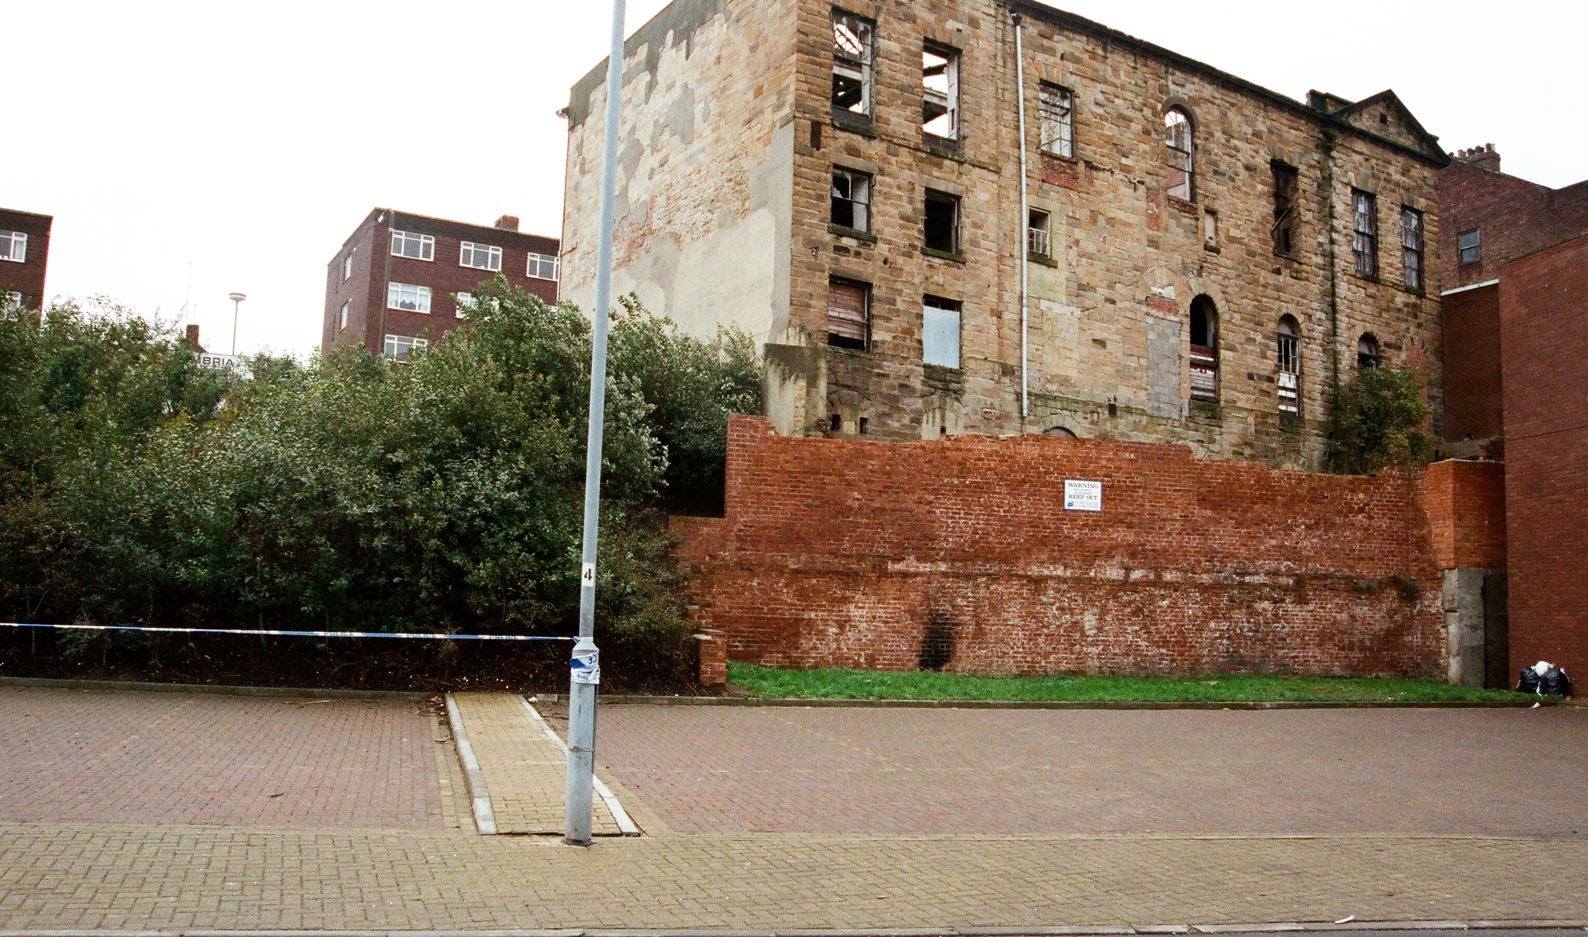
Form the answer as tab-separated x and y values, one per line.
1472	364
959	553
1465	502
1545	340
27	277
1513	216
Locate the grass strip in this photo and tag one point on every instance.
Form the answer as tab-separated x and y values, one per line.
774	682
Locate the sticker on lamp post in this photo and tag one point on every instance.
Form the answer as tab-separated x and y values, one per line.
585	665
1082	495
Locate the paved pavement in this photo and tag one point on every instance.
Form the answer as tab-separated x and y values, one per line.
1079	857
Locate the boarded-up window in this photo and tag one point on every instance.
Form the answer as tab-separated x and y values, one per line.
1204	351
848	313
940	332
1288	350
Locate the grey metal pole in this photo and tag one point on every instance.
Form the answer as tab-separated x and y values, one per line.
584	673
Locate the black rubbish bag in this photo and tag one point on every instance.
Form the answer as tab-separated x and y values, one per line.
1555	682
1527	681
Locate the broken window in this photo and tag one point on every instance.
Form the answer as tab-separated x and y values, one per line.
1057	107
940	91
1364	236
1470	248
851	199
1288	349
1412	247
1204	350
848	313
1179	152
1284	229
1367	353
1039	239
942	222
940	332
852	56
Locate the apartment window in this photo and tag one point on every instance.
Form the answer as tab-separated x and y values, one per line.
851	200
408	297
1204	350
848	313
1364	237
417	246
1367	352
480	256
1284	229
462	301
13	246
853	48
13	301
1039	235
400	346
1057	106
1412	248
342	319
940	332
1179	152
347	268
1468	246
942	222
940	91
1288	348
542	267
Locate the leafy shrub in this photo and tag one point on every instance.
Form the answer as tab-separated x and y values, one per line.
1377	420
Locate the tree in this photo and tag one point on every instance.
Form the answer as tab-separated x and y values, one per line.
1377	420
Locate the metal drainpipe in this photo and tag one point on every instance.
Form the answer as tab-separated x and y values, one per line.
1020	229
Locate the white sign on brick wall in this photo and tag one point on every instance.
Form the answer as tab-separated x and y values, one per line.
1082	495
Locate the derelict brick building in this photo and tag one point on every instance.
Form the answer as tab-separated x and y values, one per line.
1197	259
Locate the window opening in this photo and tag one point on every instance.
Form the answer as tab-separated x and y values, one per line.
1288	348
400	346
480	256
940	91
852	57
940	332
342	321
542	266
1039	235
942	222
1412	248
1204	352
461	303
1179	152
1057	107
416	246
848	313
407	297
1364	236
13	301
14	246
347	268
1286	179
1210	230
1367	352
851	200
1469	246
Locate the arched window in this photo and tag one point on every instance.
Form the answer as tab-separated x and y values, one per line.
1367	353
1179	152
1204	349
1287	349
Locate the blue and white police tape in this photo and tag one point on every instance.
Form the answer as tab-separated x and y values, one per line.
293	634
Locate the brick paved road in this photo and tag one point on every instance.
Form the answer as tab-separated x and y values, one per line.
154	758
928	771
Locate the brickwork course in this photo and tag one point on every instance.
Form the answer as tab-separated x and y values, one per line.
1376	815
961	555
727	216
359	272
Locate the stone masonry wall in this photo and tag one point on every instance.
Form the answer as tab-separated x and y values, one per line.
958	554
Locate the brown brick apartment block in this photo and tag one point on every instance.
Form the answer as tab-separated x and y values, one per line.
24	255
1194	259
394	283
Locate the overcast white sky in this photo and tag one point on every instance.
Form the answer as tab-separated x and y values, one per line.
190	149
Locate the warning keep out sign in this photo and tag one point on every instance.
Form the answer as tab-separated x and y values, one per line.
1082	495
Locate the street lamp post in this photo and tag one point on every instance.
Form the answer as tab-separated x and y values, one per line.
237	302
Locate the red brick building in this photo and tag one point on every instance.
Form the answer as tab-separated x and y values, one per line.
24	255
1516	360
395	283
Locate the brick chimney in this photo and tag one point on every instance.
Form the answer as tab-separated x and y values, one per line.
192	340
1484	157
507	222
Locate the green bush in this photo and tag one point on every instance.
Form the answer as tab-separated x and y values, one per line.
1377	421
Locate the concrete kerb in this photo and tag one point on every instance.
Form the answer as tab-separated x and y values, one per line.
1529	928
479	796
